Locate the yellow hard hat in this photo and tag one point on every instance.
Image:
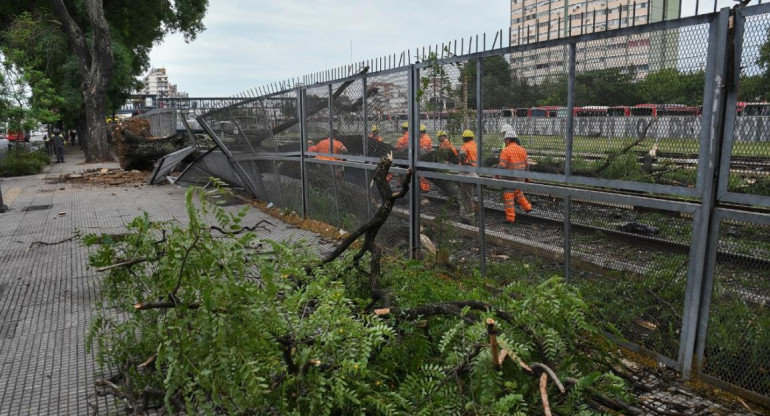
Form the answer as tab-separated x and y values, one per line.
467	133
405	125
374	128
423	128
441	133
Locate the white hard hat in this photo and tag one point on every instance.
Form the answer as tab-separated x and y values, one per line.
508	132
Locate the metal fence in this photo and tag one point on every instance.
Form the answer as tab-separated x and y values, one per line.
648	173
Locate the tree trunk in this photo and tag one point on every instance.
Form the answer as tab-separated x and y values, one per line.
97	146
95	64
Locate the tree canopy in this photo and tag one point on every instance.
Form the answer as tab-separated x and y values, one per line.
57	47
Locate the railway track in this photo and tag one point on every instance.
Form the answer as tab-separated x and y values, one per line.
738	164
554	219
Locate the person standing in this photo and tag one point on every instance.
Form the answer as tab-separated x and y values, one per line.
426	145
47	141
58	145
446	153
375	134
513	157
468	157
326	146
403	141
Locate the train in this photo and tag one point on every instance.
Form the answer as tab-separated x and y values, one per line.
639	110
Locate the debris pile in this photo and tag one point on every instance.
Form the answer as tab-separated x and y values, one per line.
137	148
110	177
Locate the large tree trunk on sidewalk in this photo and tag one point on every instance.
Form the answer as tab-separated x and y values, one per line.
97	146
95	64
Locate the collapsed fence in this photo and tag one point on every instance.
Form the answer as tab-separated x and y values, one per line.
661	219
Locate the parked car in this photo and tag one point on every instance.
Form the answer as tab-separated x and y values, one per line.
16	136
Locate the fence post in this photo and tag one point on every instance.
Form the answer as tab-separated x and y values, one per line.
479	158
366	148
331	150
302	144
723	143
414	199
714	101
570	124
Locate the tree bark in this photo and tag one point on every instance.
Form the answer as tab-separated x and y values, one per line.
95	64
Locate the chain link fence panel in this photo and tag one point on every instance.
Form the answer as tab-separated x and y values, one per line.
736	349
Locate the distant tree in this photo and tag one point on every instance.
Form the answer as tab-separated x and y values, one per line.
669	86
497	83
610	87
757	87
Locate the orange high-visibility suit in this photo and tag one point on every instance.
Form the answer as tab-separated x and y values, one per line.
375	137
324	146
514	157
446	144
402	141
426	145
469	148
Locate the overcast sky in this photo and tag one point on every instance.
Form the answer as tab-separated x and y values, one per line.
252	43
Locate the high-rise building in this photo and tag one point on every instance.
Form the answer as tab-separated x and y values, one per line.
156	83
539	20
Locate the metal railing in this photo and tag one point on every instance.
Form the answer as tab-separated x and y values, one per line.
649	176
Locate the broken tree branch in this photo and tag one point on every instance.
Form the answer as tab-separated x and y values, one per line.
255	227
44	243
127	263
544	394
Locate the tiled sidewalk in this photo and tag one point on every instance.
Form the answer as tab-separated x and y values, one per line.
47	292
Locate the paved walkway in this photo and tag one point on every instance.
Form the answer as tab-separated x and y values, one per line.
47	292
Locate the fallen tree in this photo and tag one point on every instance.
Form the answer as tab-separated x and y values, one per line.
213	320
138	149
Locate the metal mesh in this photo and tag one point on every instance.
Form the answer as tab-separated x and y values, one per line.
539	115
386	108
348	114
237	128
631	266
323	192
637	106
163	121
282	119
532	246
317	113
393	237
291	185
214	163
749	170
738	339
449	234
168	163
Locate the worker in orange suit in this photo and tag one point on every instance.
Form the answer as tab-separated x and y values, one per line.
513	157
468	151
325	146
403	141
446	149
375	134
426	145
468	157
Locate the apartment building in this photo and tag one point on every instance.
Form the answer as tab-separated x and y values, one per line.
156	83
540	20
